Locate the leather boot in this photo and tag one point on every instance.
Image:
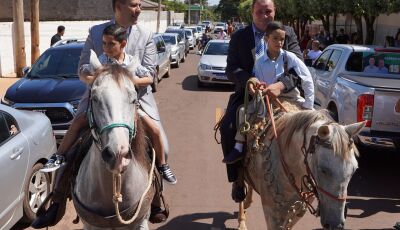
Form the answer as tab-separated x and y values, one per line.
58	198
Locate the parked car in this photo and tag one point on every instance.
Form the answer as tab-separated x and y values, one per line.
163	66
191	38
208	24
182	33
26	141
196	34
51	86
177	48
360	83
212	64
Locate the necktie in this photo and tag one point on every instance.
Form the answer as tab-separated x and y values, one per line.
260	45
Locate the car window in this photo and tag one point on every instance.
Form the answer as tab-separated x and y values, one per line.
374	62
8	127
169	39
321	62
334	59
217	48
57	62
179	38
188	33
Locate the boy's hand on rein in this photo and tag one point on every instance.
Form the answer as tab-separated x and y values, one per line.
274	89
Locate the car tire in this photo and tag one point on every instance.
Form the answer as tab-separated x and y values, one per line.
168	74
155	83
39	182
176	65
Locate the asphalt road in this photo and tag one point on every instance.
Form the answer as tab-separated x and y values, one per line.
201	199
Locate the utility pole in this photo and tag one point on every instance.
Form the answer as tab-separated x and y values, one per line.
34	30
20	55
189	13
158	16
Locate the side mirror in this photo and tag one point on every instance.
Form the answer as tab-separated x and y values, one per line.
25	70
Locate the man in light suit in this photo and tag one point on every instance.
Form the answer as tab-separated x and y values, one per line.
242	54
141	45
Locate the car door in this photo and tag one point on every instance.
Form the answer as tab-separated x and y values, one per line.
14	158
320	76
164	56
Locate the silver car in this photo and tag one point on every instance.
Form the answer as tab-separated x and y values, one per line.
212	64
163	65
360	83
177	48
26	140
191	38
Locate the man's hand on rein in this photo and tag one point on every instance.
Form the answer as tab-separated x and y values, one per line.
274	89
252	86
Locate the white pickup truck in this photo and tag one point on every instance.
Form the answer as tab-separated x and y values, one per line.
357	83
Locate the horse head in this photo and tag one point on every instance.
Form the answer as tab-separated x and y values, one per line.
331	158
112	112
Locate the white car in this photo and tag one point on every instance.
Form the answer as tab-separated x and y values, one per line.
211	68
191	38
220	26
26	140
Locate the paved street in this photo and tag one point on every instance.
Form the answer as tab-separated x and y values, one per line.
201	199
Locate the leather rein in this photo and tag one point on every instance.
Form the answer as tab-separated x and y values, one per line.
309	187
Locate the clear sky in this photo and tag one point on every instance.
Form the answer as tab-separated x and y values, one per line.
213	2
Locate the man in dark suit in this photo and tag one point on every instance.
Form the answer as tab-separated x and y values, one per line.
245	47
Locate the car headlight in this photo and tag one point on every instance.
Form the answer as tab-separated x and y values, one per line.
205	67
6	101
174	51
75	105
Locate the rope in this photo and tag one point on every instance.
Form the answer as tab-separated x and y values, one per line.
117	196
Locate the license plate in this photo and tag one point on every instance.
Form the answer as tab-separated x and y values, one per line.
220	75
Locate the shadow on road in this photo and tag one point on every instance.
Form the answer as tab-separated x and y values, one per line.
190	84
373	206
189	221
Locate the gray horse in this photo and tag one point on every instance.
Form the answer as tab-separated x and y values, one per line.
318	154
116	169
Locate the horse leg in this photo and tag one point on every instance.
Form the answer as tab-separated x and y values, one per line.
249	197
242	217
144	225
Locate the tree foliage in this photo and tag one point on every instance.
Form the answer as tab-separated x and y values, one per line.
244	11
175	6
227	9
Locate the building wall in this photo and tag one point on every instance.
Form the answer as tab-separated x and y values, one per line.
73	29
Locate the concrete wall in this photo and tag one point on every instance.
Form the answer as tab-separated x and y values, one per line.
74	29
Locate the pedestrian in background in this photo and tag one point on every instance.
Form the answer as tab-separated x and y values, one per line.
57	37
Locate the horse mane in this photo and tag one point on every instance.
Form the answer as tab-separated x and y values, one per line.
291	123
116	71
138	145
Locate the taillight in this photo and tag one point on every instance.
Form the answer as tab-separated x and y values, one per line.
365	107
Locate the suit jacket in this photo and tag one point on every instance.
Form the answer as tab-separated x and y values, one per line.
241	56
140	44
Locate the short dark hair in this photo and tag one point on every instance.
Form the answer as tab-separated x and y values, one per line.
117	31
272	26
60	29
115	1
254	2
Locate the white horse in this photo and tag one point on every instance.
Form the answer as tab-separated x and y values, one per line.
318	154
99	191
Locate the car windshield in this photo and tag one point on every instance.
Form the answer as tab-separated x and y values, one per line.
374	62
169	39
220	24
181	32
217	48
194	30
188	33
55	63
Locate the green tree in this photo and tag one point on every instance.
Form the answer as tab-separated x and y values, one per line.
227	9
244	11
175	6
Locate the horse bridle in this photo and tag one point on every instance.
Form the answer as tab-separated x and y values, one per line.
97	131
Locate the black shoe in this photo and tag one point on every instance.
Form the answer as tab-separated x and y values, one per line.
167	174
48	218
233	156
238	192
157	215
52	164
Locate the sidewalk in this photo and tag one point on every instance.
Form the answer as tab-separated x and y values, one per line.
5	83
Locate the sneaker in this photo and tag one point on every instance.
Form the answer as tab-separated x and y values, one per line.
234	156
167	174
52	164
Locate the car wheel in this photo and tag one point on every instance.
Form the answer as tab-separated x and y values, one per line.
334	113
36	190
155	83
168	74
177	62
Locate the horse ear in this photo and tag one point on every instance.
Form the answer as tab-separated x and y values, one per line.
94	60
324	132
355	128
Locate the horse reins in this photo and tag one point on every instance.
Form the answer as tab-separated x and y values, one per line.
308	180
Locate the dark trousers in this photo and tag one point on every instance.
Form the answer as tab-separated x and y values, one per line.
228	132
